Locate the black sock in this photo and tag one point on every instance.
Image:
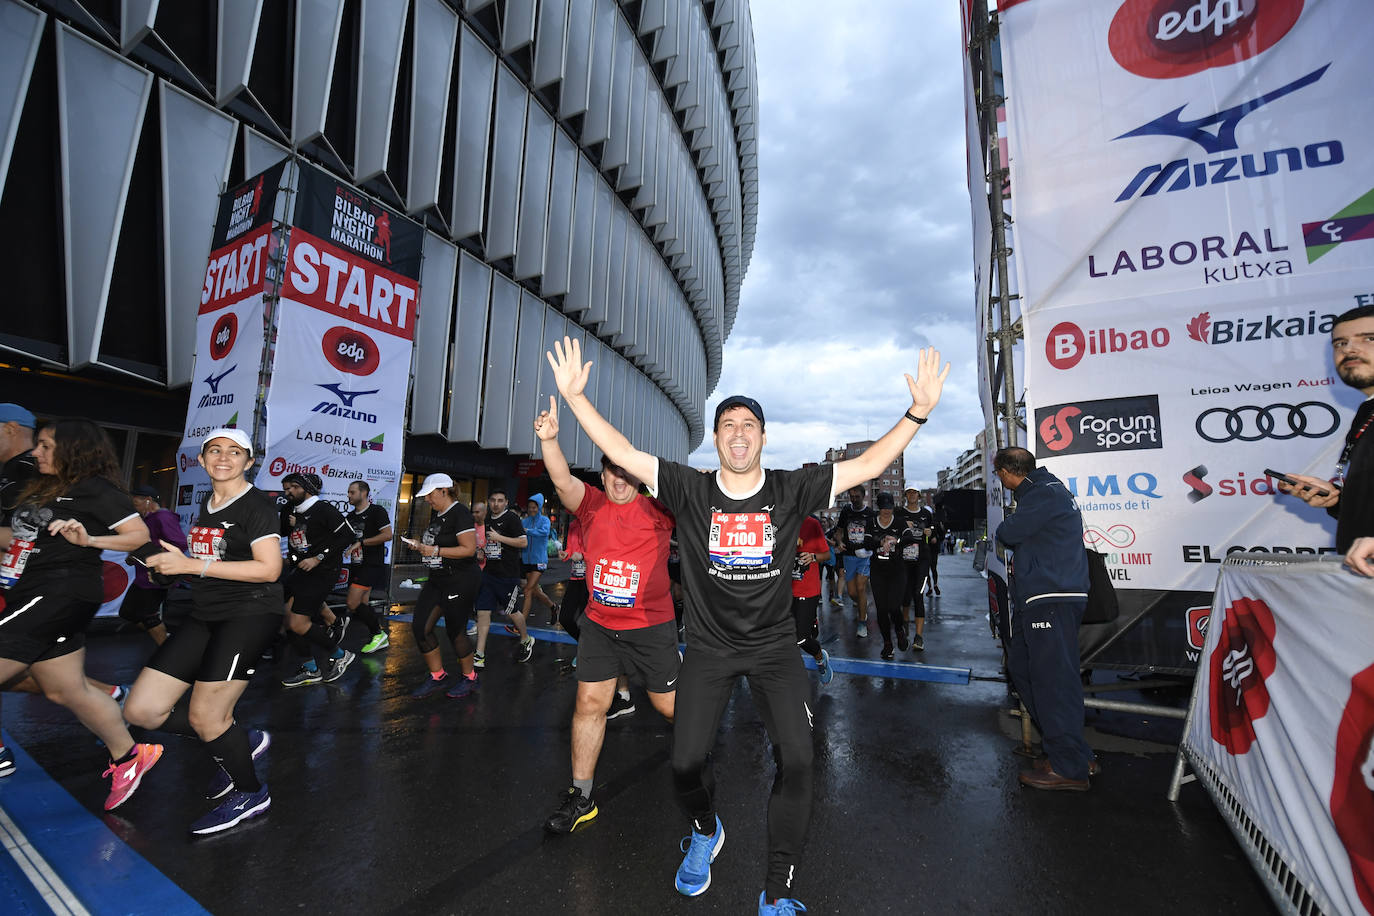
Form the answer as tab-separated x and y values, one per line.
234	753
127	757
368	616
318	635
178	722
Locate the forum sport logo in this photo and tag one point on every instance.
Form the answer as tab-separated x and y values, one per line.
1167	39
1105	425
1243	658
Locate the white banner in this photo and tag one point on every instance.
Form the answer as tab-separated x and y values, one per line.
1193	208
340	372
1283	716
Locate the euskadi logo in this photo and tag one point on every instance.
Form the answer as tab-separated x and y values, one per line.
344	407
1068	343
1256	328
350	350
223	335
214	398
1215	134
375	444
1353	223
1106	425
1352	790
1244	656
1166	39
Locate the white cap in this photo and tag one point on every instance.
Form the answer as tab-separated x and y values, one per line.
237	436
432	483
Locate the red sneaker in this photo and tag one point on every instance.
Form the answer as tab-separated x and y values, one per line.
126	776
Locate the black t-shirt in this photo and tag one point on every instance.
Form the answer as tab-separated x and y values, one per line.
228	533
502	561
14	477
738	551
37	560
887	543
914	523
369	523
922	519
443	531
851	527
1355	512
317	529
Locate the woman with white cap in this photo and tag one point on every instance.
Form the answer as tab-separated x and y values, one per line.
51	578
236	610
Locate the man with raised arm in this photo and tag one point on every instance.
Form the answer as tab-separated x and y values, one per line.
738	531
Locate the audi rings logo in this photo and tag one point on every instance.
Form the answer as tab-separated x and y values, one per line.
1310	420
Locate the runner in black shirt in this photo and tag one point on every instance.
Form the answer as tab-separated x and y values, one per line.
857	559
918	556
17	468
448	548
371	532
885	534
317	537
738	529
236	609
501	587
51	574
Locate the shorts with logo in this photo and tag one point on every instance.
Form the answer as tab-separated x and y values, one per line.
216	650
528	568
855	566
310	589
499	595
36	627
367	577
650	652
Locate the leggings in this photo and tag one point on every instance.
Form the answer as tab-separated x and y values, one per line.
450	598
887	582
804	616
781	691
911	592
574	603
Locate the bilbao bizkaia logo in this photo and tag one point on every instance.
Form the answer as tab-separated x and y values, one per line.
1244	656
350	350
361	225
223	335
1240	329
1167	39
1352	790
1068	343
1106	425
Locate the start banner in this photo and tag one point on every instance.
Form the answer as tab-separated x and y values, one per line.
231	327
1193	203
1282	719
345	328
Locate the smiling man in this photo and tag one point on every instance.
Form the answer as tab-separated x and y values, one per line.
738	532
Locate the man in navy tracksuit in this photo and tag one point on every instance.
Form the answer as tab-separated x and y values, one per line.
1049	590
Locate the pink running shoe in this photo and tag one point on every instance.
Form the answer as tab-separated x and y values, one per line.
125	777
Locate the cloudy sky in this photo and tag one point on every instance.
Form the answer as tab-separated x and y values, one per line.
864	250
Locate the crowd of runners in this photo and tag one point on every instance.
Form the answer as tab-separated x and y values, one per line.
728	563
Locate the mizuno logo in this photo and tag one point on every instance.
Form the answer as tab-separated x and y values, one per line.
214	380
346	397
1217	133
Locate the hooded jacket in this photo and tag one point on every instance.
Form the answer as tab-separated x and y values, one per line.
1046	532
537	529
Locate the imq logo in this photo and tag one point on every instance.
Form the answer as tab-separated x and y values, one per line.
1107	425
1167	39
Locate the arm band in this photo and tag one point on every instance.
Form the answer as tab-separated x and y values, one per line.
915	419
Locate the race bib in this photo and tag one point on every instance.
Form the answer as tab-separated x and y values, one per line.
579	569
493	550
856	533
297	541
206	543
740	539
911	552
15	559
428	538
615	583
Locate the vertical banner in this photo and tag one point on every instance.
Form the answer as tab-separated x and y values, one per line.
1193	202
340	381
1283	720
230	327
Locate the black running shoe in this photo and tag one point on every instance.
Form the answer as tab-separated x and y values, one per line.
574	810
620	707
901	637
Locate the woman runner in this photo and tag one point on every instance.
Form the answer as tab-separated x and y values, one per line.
448	549
236	610
886	535
51	576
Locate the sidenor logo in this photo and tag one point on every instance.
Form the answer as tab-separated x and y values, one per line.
1167	39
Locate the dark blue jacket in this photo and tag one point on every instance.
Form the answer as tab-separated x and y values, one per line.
1046	531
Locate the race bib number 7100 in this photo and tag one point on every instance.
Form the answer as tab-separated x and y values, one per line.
740	539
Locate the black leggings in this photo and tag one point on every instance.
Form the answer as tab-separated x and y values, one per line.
780	689
452	599
574	603
804	616
887	582
911	592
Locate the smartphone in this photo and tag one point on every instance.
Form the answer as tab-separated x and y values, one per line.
1291	481
409	542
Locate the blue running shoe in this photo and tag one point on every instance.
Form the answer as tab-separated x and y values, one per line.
785	906
235	809
221	783
463	688
7	766
430	687
694	874
827	673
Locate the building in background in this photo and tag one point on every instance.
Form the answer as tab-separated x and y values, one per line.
967	473
892	480
586	167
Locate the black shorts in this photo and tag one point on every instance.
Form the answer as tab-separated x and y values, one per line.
38	626
650	652
309	589
674	572
528	568
499	595
367	577
216	650
143	604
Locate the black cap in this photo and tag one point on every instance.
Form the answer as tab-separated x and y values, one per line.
885	501
145	490
738	400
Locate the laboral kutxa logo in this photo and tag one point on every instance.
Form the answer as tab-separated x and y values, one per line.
1105	425
1167	39
1243	657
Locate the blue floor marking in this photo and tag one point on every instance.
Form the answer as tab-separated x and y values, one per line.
909	671
104	873
18	896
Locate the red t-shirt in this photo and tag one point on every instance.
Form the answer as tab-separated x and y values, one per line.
806	581
626	547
